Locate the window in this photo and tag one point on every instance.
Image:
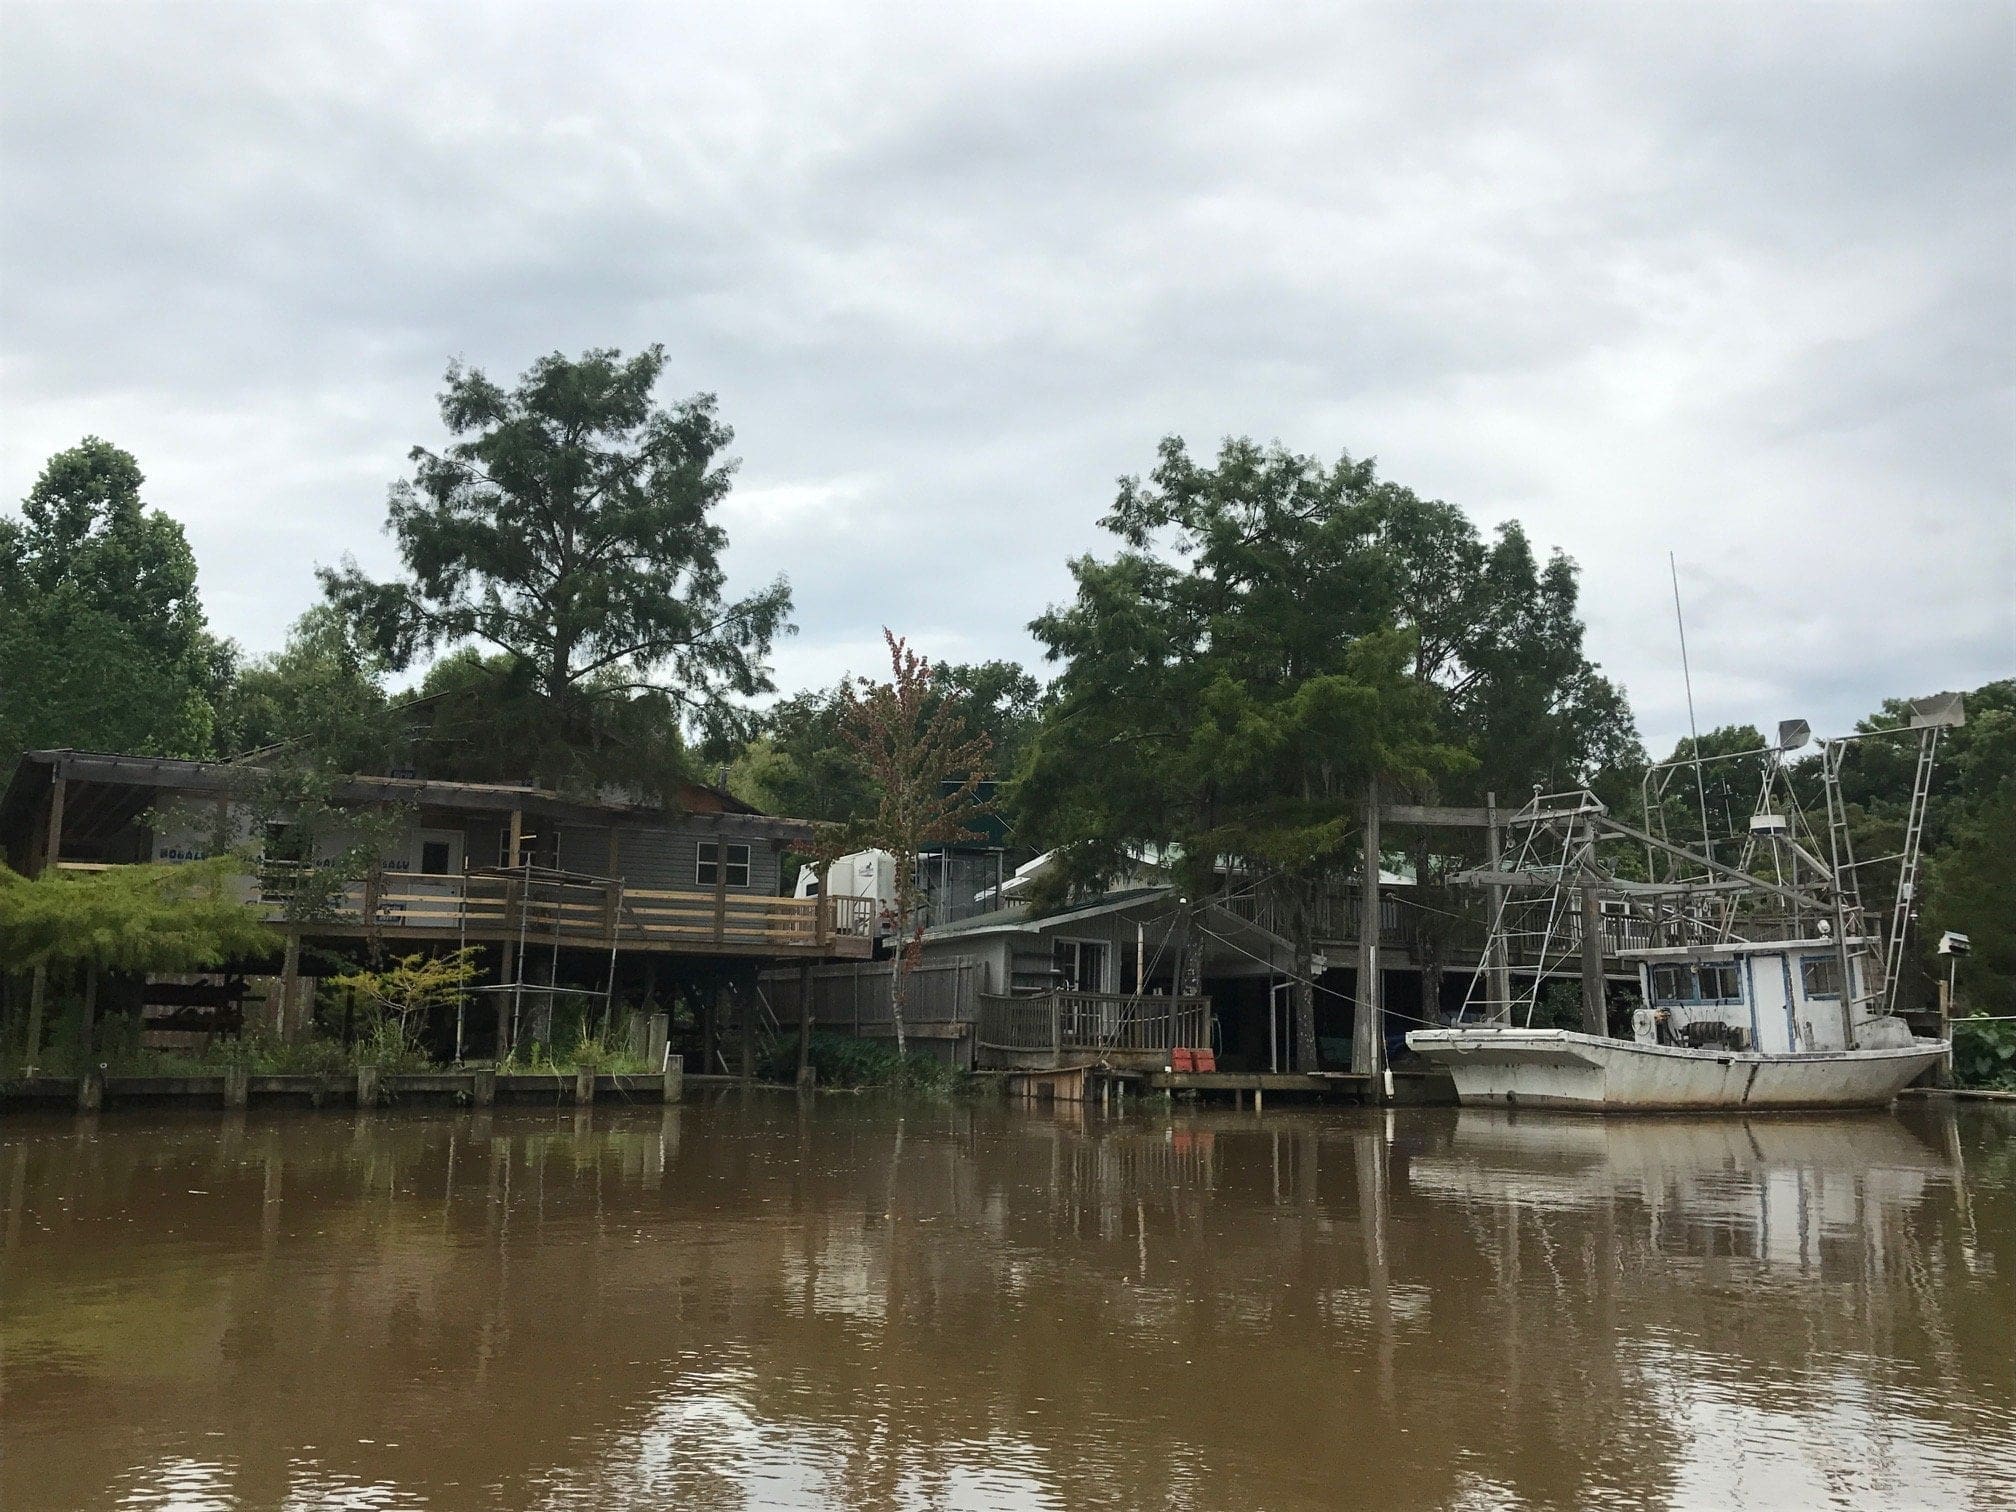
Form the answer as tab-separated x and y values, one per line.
712	864
1081	964
1672	984
1720	982
1709	982
434	858
1820	976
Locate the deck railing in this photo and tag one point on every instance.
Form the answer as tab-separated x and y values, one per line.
537	904
1053	1023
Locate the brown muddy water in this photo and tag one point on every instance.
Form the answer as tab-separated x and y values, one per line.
757	1302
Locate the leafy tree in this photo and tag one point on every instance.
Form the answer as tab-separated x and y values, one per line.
568	528
482	718
322	690
924	768
102	638
124	918
1974	891
1500	635
1233	684
798	763
399	998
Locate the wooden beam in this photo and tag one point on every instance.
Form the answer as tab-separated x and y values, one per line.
52	840
1368	1031
1500	962
1595	1010
1432	816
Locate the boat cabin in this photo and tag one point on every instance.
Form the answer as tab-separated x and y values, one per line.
1777	996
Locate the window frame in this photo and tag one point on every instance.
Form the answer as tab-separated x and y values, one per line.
1690	991
1735	971
1831	964
715	859
1078	944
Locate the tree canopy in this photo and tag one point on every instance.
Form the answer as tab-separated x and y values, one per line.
103	643
799	761
1257	577
923	767
569	530
155	917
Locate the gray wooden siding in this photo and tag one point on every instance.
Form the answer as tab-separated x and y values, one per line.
660	858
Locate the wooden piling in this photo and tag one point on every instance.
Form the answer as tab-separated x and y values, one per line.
91	1090
584	1086
237	1086
483	1087
367	1086
675	1079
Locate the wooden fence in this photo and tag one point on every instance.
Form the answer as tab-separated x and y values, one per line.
858	995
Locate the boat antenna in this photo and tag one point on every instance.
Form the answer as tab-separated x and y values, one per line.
1693	733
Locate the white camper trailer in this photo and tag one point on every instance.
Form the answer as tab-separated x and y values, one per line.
867	874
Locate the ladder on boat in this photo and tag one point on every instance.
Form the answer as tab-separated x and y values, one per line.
1907	880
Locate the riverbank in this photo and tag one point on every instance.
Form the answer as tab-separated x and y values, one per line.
368	1087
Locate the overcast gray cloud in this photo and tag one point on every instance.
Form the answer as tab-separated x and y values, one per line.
1734	282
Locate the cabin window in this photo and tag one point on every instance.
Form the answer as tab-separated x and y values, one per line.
1820	976
1081	964
1720	982
1708	982
434	858
708	868
1672	984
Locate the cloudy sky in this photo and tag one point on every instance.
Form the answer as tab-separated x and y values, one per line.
1732	282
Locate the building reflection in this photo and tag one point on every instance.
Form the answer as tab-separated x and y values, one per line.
757	1300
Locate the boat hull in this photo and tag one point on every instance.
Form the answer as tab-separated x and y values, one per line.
1557	1068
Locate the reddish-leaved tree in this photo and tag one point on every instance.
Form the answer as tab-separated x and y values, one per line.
925	769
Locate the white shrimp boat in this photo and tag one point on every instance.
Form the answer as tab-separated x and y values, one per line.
1762	984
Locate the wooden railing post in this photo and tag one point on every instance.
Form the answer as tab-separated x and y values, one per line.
720	893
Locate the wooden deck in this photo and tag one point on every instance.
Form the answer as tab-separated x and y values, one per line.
540	907
1326	1084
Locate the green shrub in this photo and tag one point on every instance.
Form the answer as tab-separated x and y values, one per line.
841	1060
1984	1053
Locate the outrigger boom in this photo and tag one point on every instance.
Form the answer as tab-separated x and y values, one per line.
1758	974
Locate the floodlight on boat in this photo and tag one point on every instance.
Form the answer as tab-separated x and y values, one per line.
1940	711
1793	733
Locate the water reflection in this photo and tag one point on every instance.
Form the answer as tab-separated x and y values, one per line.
762	1302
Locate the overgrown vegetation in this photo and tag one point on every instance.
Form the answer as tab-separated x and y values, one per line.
1984	1052
844	1061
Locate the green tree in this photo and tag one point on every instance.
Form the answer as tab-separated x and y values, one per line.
480	718
154	917
103	644
321	690
1499	634
569	529
398	999
799	763
1233	683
